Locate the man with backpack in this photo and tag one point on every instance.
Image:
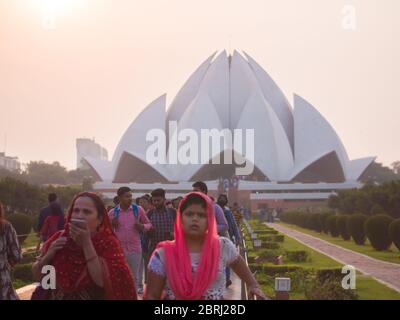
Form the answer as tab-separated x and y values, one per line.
129	222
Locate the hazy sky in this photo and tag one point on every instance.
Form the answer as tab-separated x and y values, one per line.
106	60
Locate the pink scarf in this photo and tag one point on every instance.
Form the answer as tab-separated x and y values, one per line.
184	284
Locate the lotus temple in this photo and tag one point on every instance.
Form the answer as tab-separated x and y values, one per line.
298	157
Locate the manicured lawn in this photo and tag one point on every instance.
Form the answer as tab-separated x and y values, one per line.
18	283
31	241
317	260
367	288
392	255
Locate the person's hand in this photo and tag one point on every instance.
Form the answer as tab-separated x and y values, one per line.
81	236
114	223
256	291
55	246
139	227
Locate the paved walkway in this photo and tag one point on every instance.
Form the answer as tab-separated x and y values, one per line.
232	293
384	272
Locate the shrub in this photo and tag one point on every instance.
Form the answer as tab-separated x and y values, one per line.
394	232
267	254
280	270
22	224
297	256
309	223
355	226
342	226
333	274
302	219
324	222
329	290
332	226
23	272
267	232
377	231
256	267
270	245
317	222
278	238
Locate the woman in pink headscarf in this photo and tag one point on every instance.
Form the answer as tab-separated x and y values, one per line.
192	267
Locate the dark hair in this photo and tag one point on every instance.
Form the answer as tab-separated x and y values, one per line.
223	196
116	200
147	196
200	185
158	193
192	199
52	197
121	191
137	200
56	209
98	203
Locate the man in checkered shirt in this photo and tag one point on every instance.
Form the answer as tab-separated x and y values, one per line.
162	220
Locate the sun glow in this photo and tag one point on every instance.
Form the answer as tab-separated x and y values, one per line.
53	9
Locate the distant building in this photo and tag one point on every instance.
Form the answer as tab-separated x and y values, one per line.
89	148
9	163
298	157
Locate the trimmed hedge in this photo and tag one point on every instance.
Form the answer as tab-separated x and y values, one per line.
377	231
341	222
22	224
324	222
317	222
280	269
394	232
355	226
332	274
297	255
23	272
269	245
332	225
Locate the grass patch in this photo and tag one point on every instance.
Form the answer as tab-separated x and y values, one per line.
391	255
31	241
18	283
370	289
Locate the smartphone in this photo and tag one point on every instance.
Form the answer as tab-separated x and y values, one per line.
81	223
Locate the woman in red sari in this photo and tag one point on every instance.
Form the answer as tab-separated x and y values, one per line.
87	256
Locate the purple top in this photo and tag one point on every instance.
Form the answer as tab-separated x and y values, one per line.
222	224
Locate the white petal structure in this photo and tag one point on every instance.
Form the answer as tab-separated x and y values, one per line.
229	92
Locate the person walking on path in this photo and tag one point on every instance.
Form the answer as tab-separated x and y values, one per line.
222	224
233	230
87	257
44	213
129	222
10	254
53	222
192	267
162	220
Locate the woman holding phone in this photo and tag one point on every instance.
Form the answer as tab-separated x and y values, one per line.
87	256
192	267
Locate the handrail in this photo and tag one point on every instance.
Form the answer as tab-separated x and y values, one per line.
243	253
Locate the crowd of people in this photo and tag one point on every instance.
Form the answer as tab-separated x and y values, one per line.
159	249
